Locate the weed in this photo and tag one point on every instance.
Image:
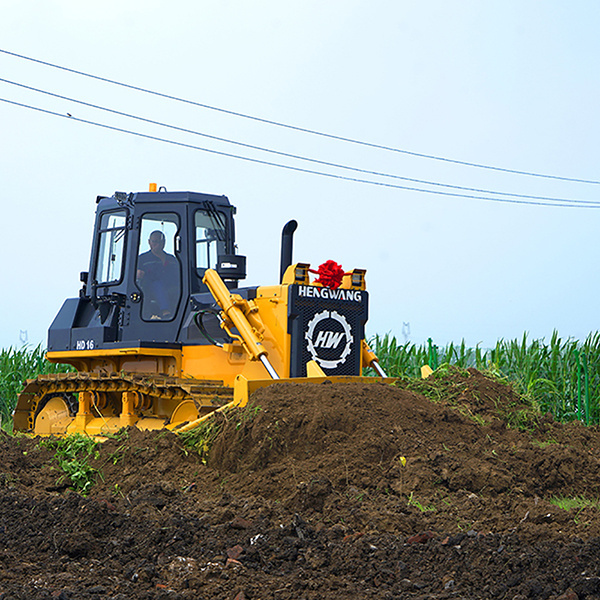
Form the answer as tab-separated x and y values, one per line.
439	386
545	444
523	419
201	438
412	501
7	480
469	414
247	414
120	435
72	455
118	455
574	503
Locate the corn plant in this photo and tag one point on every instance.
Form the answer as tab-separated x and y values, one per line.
561	376
399	359
15	367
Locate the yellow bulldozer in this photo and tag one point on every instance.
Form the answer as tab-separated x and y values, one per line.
162	334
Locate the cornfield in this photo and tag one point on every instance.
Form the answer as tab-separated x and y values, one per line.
561	377
15	367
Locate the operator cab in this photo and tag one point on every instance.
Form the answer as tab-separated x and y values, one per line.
149	254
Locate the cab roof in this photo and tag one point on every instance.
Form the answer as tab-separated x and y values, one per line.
160	197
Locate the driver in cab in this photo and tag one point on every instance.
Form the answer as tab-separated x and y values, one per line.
158	276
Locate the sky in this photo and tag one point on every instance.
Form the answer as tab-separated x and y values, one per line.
503	83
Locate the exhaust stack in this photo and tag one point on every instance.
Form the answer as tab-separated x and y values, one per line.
287	236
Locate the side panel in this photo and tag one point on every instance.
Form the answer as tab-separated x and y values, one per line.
215	364
59	334
211	362
78	326
272	302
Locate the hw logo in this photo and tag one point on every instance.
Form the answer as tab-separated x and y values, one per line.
329	339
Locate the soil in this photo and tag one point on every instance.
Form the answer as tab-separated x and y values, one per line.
357	490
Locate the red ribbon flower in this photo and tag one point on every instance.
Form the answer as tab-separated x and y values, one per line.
330	274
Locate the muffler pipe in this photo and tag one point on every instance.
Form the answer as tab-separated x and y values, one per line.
287	236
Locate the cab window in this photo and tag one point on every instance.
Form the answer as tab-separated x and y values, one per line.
210	238
158	272
109	263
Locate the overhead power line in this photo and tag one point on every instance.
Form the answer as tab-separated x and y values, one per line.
573	204
300	129
290	155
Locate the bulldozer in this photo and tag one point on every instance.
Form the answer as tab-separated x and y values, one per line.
162	334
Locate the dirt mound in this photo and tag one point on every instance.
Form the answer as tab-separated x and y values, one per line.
391	440
317	491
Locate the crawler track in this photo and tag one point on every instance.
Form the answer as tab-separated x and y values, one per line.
155	396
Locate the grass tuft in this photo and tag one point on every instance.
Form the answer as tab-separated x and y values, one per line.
577	503
412	501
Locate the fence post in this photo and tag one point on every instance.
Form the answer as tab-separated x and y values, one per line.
429	347
432	355
587	390
578	386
